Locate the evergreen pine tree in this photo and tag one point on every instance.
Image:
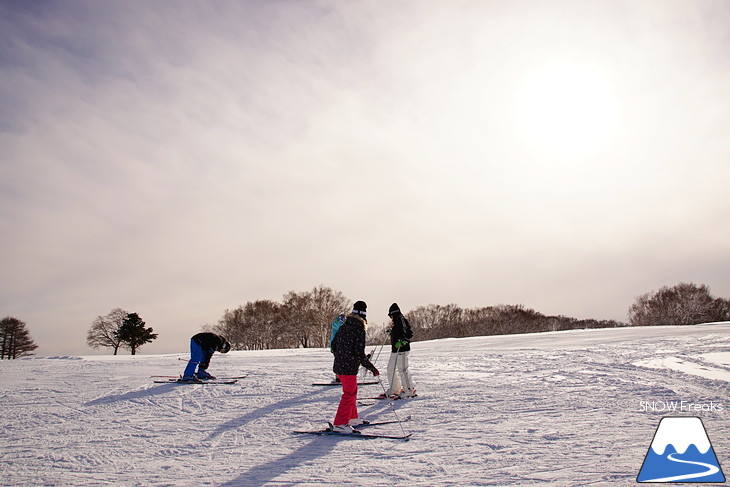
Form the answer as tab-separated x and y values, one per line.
15	340
133	333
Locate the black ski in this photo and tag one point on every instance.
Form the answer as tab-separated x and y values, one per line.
363	436
393	397
211	381
369	383
380	423
175	377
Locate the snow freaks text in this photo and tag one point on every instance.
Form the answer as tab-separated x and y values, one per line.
679	407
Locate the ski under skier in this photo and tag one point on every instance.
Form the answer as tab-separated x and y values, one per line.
202	347
348	347
399	377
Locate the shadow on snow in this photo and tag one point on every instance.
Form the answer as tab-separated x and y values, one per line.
140	394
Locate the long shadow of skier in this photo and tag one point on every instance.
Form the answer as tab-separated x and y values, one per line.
381	410
261	474
275	408
309	451
266	472
152	391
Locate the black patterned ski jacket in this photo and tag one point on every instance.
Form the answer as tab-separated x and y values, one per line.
349	347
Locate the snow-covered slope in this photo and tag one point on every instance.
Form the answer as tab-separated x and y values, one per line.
565	408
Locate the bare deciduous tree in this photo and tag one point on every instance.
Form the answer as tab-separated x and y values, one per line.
297	314
255	326
683	304
267	331
103	332
301	320
326	305
436	321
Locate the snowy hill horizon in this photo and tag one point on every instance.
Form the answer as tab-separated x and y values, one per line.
566	408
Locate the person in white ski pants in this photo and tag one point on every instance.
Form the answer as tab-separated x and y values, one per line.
398	375
399	378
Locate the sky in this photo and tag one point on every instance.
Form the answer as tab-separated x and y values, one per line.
180	159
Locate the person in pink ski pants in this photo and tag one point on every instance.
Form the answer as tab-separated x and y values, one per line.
348	347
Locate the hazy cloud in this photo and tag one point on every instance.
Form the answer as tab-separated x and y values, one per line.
178	160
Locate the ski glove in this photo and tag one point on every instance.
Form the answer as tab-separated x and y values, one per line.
401	343
375	372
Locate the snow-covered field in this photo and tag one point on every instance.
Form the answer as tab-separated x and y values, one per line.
570	408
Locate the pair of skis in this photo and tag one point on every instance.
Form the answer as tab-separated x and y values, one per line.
170	379
359	434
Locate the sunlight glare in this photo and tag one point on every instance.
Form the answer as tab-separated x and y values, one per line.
566	109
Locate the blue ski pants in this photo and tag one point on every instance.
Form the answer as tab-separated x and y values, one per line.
196	357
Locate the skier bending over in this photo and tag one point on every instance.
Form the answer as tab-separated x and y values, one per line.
202	347
349	349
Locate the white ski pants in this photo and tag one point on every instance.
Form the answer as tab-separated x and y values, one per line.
398	375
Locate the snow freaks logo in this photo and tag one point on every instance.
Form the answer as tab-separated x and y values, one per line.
679	407
680	452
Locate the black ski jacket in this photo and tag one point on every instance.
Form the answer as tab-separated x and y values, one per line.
348	347
209	342
400	334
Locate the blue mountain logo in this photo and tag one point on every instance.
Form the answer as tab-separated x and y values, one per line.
680	452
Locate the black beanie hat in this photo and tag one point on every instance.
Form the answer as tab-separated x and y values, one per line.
359	308
393	309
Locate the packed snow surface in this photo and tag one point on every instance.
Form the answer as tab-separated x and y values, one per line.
563	408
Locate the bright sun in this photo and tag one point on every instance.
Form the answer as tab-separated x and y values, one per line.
568	109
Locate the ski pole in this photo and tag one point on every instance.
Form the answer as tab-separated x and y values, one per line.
379	350
362	371
390	403
395	370
391	379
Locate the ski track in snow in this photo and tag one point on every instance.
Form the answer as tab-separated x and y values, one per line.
558	409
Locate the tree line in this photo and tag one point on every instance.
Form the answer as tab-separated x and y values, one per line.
683	304
451	321
302	319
